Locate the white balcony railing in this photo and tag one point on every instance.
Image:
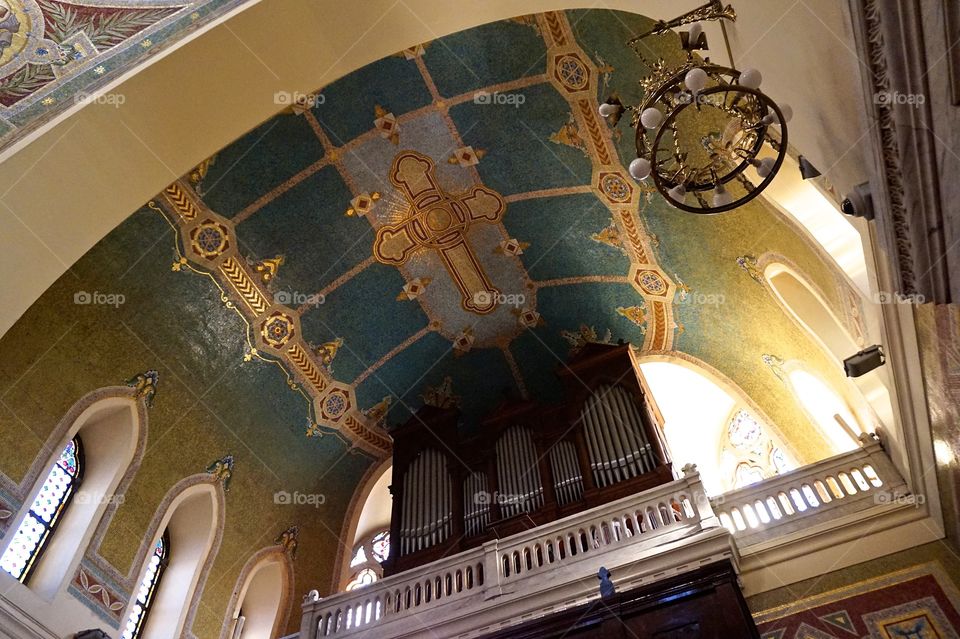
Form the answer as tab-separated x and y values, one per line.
641	538
811	495
658	532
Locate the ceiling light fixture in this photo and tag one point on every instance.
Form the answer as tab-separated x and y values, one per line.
700	126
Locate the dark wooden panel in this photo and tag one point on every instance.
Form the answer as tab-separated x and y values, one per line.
705	604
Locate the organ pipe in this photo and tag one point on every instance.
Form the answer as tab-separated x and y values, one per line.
568	482
427	503
476	503
616	439
518	474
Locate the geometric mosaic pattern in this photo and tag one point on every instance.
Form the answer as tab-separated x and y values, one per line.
917	603
418	186
54	52
919	619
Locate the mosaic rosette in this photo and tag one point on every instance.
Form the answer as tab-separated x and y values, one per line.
277	330
209	239
572	73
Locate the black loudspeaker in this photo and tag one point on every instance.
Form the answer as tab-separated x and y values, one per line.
865	361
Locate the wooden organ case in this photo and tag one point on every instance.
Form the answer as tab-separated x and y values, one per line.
530	464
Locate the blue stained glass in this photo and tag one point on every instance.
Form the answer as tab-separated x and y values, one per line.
68	459
44	514
148	586
381	546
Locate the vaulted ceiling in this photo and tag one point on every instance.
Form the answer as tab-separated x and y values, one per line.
297	295
459	211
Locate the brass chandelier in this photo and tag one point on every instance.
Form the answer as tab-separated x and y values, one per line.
701	126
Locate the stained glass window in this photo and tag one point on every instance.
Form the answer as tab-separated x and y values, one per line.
744	431
363	578
779	460
381	546
368	555
45	513
359	558
747	474
148	588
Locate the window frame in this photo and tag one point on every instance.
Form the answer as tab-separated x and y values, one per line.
370	563
151	595
49	528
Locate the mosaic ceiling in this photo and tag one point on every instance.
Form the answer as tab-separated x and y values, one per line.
54	53
444	224
453	219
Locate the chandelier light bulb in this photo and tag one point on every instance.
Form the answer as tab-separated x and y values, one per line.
751	79
651	118
695	30
640	169
696	80
606	109
678	193
721	196
787	112
765	167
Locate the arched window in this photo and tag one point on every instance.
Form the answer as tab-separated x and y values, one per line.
261	602
368	516
190	526
367	559
805	305
800	299
722	432
148	588
829	411
363	578
45	513
98	441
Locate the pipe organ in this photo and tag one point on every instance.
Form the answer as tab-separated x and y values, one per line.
476	507
528	463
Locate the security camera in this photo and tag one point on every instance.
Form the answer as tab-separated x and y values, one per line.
859	203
